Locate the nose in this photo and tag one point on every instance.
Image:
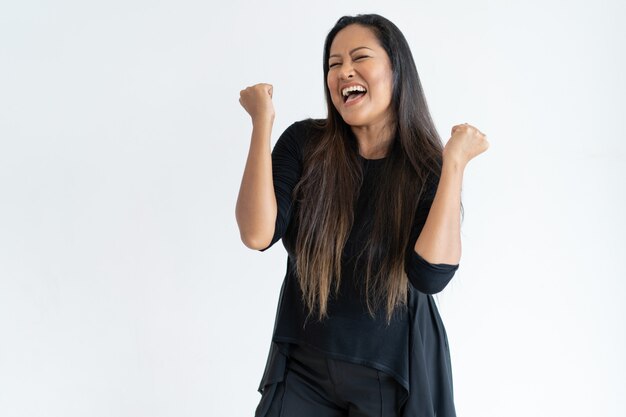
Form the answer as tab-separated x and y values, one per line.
346	70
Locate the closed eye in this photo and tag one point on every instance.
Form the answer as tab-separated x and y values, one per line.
363	56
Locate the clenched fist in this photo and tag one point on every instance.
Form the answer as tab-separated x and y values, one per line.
257	100
465	143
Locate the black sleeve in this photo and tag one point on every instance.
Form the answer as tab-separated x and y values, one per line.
424	276
286	172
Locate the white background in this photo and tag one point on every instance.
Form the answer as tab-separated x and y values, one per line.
125	289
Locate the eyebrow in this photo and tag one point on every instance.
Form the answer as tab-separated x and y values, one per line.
355	49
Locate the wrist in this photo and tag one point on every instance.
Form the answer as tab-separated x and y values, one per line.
264	119
453	163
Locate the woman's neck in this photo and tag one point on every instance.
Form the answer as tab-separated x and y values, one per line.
372	142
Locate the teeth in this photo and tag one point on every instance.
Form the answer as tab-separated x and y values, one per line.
348	90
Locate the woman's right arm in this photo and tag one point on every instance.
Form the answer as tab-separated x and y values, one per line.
256	208
256	205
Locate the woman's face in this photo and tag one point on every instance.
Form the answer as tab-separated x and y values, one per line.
357	58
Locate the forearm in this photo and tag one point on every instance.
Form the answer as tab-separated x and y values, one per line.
256	207
440	238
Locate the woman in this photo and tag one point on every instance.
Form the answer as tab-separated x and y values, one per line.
367	204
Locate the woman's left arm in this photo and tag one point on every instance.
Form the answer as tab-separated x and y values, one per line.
439	241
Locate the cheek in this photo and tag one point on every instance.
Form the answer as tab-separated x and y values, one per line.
333	94
384	84
389	80
330	81
331	88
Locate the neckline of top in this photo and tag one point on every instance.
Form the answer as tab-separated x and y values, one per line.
373	160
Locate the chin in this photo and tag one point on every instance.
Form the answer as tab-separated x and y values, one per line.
353	120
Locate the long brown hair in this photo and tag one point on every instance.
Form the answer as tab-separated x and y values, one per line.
332	176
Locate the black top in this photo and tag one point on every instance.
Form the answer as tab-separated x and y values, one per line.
413	348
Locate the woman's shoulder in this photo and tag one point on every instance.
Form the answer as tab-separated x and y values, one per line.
308	125
304	132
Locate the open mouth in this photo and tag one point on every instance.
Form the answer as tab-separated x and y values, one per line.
354	95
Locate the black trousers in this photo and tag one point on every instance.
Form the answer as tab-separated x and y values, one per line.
317	386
